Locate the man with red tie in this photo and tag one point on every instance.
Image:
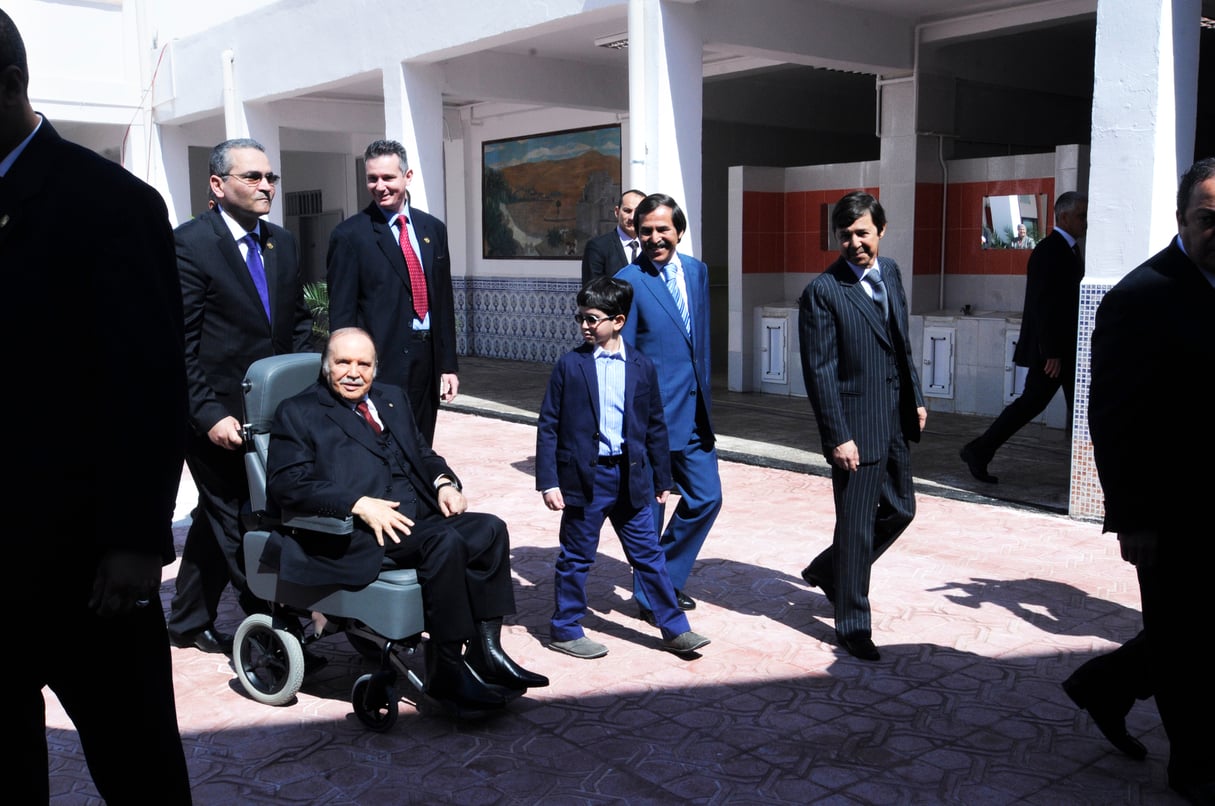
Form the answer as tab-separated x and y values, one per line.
389	272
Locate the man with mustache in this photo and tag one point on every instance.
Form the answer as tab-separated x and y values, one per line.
863	386
344	447
669	323
243	300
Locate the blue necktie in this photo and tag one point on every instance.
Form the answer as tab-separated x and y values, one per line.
253	259
671	273
874	278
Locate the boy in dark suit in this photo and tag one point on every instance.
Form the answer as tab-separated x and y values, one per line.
601	452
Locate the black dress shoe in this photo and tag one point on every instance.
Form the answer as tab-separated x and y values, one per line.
1111	723
859	646
815	581
492	666
684	601
976	465
205	640
647	615
451	683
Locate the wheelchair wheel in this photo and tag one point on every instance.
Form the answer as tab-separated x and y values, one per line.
375	702
269	660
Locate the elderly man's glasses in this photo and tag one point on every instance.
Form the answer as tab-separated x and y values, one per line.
254	178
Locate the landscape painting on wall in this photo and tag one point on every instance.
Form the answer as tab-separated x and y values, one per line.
545	196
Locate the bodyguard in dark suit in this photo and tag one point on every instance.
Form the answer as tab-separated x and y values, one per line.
1047	346
674	334
390	273
863	386
610	252
345	448
1153	348
94	464
243	301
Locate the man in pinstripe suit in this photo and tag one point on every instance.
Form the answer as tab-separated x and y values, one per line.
865	391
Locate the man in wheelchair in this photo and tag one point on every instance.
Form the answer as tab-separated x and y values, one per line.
342	448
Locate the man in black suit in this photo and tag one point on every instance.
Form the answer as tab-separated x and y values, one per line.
1047	346
389	272
863	385
243	300
610	252
345	448
89	498
1154	346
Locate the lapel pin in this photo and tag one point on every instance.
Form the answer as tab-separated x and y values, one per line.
270	244
425	240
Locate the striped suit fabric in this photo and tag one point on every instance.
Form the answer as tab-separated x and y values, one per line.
863	387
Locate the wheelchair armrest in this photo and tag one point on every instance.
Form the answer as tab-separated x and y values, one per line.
319	523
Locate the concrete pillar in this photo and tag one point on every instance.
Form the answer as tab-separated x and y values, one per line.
1145	100
898	165
262	126
413	116
665	105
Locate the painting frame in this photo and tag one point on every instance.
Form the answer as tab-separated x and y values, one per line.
543	196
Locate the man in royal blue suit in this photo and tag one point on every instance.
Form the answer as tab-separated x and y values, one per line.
863	386
669	323
243	300
389	272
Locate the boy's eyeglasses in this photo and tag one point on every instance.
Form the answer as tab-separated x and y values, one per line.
590	319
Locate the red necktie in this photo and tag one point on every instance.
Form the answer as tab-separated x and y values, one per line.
417	278
363	409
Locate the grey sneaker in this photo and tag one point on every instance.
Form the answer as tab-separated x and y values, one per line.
582	647
685	643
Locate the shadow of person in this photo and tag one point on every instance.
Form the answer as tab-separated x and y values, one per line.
1051	606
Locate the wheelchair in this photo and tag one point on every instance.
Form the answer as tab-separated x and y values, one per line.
382	621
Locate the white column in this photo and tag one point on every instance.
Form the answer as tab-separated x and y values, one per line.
262	126
665	57
413	116
898	166
1145	100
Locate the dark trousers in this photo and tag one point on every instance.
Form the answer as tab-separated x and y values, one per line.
873	506
114	678
698	483
580	530
1039	390
421	386
1114	681
1175	607
212	556
463	566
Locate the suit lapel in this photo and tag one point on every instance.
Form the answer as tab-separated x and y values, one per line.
24	180
388	243
232	258
348	421
855	294
586	363
271	264
657	288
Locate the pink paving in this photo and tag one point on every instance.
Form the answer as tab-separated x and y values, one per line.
979	611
